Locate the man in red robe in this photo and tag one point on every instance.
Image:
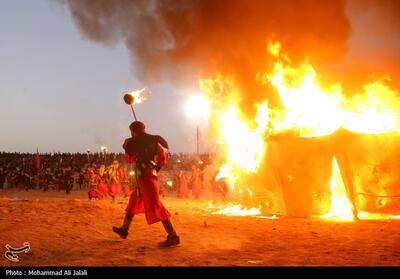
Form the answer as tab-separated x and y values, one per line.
115	176
125	182
148	156
183	192
195	180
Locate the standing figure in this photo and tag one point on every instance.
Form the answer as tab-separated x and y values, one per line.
221	187
114	180
90	177
2	179
208	175
125	179
162	181
195	181
81	180
183	192
67	181
102	171
102	188
148	156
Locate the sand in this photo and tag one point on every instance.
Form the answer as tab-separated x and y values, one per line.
70	230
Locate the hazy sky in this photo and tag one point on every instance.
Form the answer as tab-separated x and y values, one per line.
61	92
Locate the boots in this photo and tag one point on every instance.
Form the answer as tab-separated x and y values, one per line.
172	238
123	231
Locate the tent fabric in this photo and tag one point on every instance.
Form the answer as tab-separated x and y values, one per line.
298	171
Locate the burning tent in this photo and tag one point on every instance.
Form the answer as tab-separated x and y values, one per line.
357	172
370	168
301	168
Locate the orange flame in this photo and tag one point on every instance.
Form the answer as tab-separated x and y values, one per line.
308	108
314	111
341	207
138	95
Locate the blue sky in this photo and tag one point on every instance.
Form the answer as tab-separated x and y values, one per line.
61	92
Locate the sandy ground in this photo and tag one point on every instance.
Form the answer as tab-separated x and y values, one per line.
71	231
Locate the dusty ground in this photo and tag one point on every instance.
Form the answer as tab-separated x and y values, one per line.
70	230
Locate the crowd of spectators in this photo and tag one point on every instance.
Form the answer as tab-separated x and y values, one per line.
71	171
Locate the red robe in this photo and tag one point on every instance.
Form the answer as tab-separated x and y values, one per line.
114	189
94	190
183	186
125	184
114	186
103	189
148	201
196	184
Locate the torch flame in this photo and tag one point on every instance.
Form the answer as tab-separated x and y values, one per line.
138	95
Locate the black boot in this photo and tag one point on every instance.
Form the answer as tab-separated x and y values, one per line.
172	238
123	231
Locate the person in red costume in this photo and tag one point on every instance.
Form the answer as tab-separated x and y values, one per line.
147	153
102	187
195	181
114	175
125	182
183	192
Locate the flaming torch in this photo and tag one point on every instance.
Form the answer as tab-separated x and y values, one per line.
134	97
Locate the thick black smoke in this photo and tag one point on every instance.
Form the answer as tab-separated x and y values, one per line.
181	39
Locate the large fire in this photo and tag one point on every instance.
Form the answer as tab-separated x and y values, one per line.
308	110
315	111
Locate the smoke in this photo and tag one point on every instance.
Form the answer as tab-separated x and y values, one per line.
179	41
182	39
375	42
